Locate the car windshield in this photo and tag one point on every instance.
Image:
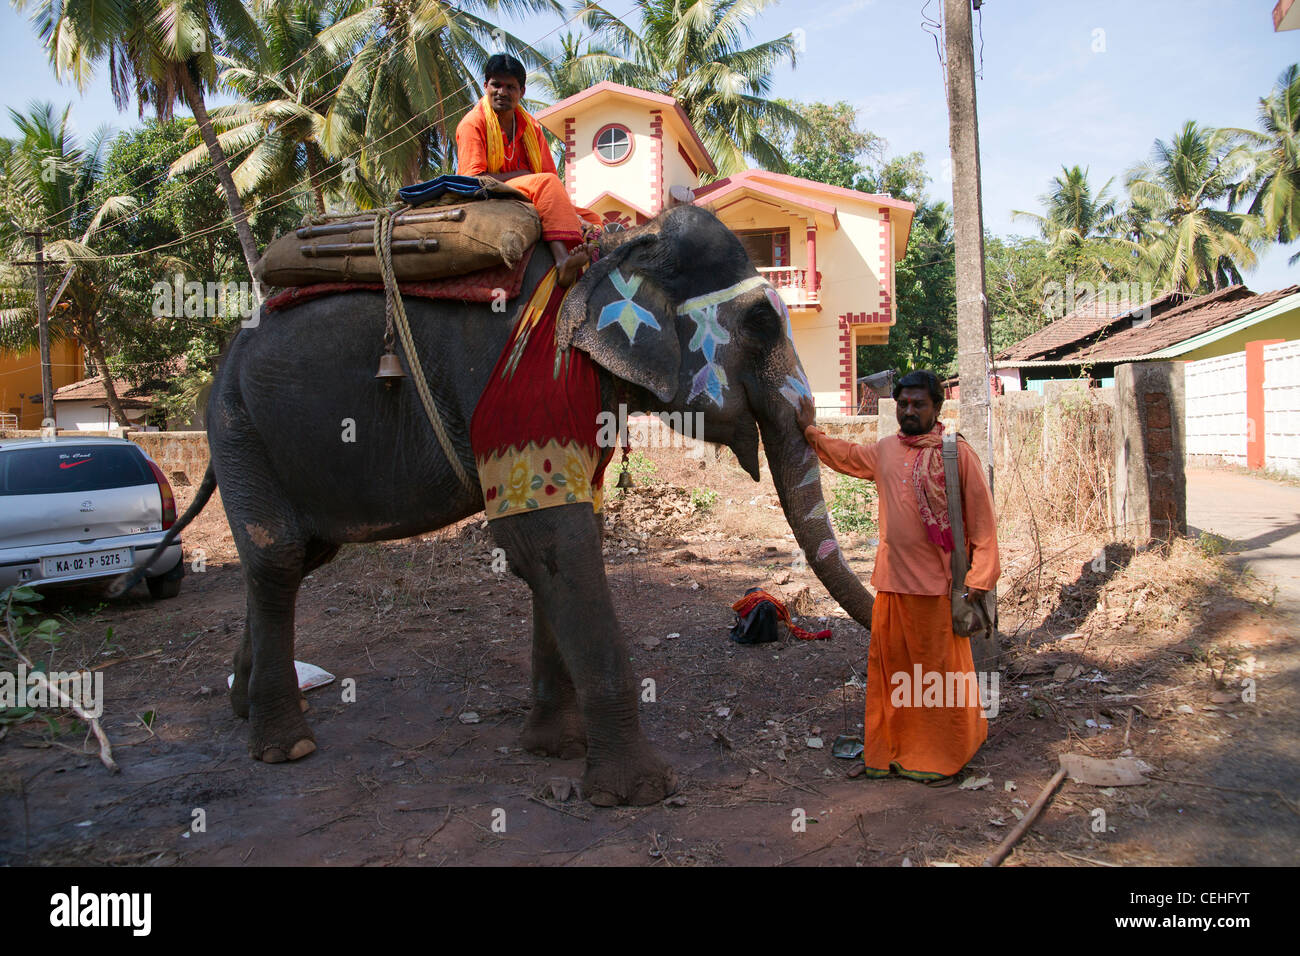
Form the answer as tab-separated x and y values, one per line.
58	468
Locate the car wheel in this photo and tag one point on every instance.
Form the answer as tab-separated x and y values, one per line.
166	585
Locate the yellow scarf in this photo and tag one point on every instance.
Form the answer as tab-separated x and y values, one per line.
496	150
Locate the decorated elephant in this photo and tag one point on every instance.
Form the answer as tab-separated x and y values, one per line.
674	317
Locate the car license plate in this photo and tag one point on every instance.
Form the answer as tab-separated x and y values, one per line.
85	563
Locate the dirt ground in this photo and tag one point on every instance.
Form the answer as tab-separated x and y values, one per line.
1142	655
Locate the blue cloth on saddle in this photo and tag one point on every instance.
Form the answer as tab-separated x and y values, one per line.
467	187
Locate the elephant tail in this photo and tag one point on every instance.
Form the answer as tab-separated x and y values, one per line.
126	582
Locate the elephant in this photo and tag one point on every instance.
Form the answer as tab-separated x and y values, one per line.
708	335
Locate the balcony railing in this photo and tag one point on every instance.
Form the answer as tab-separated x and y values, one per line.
792	285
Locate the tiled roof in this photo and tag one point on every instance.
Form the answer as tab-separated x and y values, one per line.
1083	323
92	389
1179	324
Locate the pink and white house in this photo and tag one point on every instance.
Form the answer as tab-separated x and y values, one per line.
829	251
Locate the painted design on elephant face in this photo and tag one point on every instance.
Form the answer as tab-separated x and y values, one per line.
796	388
779	305
826	548
709	334
625	313
814	474
819	511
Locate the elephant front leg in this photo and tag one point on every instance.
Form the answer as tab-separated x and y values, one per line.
557	551
554	725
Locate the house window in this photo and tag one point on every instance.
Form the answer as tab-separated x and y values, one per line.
613	144
767	248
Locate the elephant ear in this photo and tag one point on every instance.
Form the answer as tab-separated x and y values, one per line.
620	315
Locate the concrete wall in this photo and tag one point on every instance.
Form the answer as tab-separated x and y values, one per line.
182	456
1281	426
1215	390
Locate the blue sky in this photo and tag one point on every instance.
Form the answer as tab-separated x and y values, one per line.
1063	83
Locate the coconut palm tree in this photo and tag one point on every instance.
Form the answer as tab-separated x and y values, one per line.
1276	178
285	97
1075	216
695	51
159	51
49	182
414	69
1193	245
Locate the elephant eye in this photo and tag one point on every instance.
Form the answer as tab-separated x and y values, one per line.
762	323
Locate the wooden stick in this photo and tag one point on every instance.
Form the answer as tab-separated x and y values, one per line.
313	251
1005	847
357	225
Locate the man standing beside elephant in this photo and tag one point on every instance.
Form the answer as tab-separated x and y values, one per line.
500	139
911	632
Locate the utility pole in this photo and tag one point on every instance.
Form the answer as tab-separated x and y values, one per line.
974	418
43	318
968	231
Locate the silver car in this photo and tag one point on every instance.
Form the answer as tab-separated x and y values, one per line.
76	509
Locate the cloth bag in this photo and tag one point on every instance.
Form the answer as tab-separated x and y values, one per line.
969	618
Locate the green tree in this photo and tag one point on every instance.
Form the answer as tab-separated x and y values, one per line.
696	51
1194	245
160	51
830	148
413	70
179	233
1076	221
50	183
1275	180
286	91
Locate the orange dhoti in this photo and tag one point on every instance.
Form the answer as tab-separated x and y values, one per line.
561	219
923	715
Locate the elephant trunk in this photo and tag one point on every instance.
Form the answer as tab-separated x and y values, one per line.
796	473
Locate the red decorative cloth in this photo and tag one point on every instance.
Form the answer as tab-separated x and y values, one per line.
928	480
534	431
750	601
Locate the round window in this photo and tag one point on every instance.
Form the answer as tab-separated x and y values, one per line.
613	144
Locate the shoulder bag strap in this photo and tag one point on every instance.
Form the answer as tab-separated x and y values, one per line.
952	490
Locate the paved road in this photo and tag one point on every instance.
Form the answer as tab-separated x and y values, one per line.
1262	518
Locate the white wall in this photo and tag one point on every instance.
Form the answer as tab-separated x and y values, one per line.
1282	406
1215	395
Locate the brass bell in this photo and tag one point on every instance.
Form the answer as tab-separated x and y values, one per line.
624	479
390	369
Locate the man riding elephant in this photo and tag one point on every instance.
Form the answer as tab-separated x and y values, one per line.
499	138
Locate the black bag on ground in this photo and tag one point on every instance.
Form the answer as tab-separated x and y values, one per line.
758	626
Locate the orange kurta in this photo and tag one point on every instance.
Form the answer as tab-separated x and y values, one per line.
561	220
923	715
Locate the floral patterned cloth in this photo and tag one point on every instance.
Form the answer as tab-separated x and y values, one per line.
534	429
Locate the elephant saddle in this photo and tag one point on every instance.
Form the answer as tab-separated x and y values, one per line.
534	430
458	234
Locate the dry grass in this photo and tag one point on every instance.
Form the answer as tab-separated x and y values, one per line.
1053	464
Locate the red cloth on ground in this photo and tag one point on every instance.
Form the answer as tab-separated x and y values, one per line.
747	603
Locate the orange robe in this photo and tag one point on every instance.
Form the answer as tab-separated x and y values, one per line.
560	218
923	714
